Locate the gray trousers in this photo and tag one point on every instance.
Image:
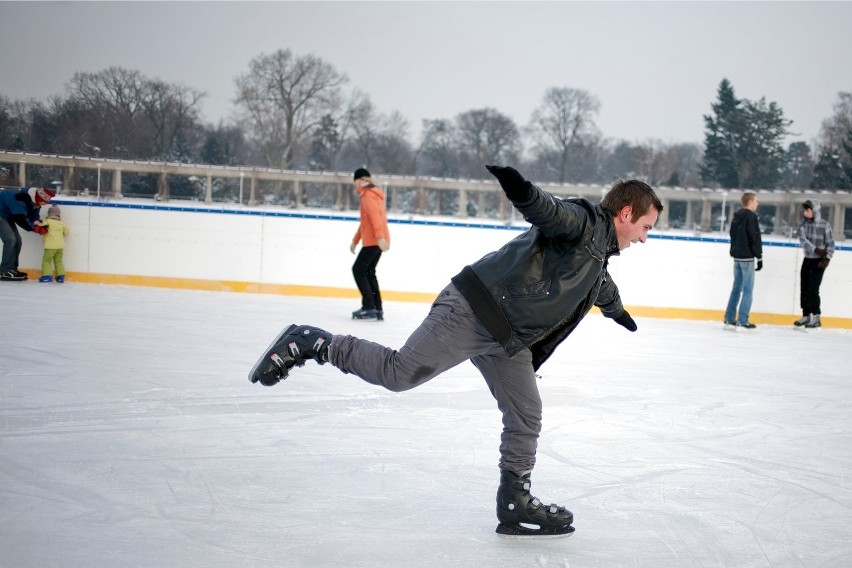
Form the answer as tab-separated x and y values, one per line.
449	335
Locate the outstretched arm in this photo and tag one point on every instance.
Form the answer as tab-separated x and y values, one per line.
552	216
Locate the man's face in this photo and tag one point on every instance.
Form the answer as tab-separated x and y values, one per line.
629	232
808	213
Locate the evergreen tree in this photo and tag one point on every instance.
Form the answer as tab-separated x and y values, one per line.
760	155
829	172
798	166
721	138
325	145
743	141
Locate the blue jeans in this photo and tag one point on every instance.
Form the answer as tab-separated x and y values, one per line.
741	294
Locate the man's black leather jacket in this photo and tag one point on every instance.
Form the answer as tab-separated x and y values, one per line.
534	291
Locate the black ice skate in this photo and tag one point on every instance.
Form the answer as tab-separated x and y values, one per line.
293	346
522	515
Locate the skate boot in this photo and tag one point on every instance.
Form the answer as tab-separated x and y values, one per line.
369	314
804	320
517	510
293	346
814	323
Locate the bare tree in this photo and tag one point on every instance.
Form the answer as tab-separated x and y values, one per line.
486	136
438	154
361	128
110	104
283	98
171	109
836	128
564	121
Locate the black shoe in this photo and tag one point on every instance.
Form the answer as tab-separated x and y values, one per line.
729	322
380	315
516	507
12	276
293	346
371	314
24	275
746	325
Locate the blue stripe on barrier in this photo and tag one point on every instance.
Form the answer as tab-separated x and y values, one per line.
393	221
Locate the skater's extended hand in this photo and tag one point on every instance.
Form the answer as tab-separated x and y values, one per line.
352	247
384	245
513	183
627	321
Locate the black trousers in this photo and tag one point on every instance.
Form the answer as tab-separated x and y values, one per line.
364	271
810	280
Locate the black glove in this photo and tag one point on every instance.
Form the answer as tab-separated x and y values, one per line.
822	253
627	321
513	183
759	264
823	263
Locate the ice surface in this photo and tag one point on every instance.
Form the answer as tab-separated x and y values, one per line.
132	437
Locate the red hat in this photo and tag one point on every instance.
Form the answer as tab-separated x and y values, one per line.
43	195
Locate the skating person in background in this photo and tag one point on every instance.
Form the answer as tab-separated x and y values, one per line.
818	248
506	313
374	237
18	208
746	246
54	245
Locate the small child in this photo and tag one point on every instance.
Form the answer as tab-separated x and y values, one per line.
54	245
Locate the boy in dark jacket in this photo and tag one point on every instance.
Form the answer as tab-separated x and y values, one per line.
506	313
19	207
746	246
817	241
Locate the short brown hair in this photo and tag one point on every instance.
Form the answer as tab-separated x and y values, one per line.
747	197
637	194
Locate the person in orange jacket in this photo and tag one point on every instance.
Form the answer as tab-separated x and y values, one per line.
374	237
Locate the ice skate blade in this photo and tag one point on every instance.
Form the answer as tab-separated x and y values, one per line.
522	532
254	376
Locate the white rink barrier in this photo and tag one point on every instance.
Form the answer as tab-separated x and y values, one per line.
307	252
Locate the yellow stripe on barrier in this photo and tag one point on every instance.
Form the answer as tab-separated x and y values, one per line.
330	292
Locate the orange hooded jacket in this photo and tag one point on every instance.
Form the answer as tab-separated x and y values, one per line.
374	220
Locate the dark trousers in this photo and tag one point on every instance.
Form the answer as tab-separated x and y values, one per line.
11	245
811	278
452	334
364	271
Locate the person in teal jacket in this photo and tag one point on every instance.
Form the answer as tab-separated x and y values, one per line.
54	231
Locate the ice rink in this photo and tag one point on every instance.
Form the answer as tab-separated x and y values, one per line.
131	437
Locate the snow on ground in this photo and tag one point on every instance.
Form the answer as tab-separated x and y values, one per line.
132	437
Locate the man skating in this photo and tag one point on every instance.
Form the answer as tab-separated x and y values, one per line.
506	313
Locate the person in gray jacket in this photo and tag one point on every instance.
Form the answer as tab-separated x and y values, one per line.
506	313
746	246
817	247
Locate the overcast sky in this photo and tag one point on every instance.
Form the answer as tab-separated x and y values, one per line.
655	66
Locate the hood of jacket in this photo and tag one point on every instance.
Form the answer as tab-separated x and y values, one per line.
815	207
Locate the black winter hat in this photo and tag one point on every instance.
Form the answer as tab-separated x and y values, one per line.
807	204
361	173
